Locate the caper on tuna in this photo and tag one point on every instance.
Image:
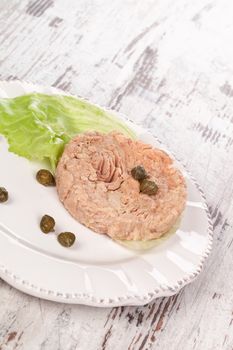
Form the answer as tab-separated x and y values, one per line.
148	187
139	173
3	195
66	239
45	177
47	224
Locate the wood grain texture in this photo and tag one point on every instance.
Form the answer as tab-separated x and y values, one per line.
168	65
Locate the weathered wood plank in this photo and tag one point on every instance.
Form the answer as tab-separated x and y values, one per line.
168	65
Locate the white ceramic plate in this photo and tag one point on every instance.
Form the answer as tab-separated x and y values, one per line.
96	270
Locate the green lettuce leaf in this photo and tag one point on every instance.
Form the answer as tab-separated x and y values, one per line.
37	126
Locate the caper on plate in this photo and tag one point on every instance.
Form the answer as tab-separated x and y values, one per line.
3	195
45	177
66	239
47	224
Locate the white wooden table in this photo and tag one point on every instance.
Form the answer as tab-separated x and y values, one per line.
168	65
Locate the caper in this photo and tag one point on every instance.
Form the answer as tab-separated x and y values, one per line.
47	224
44	177
148	187
139	173
3	195
66	239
